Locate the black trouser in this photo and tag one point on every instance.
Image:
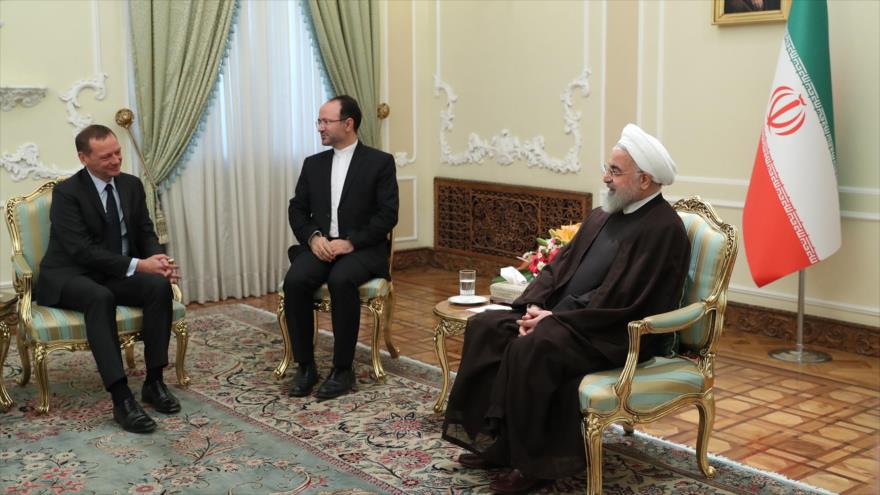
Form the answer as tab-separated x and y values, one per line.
343	277
98	301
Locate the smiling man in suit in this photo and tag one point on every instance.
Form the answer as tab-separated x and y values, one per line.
342	212
103	252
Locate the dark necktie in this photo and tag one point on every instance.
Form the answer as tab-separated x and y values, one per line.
113	241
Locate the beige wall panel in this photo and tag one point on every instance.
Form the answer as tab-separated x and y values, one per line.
407	222
714	84
50	43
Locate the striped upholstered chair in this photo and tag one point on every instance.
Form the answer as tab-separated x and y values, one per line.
41	329
377	297
640	393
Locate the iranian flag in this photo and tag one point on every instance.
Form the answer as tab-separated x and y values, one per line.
792	214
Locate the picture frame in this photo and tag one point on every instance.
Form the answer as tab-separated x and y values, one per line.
728	12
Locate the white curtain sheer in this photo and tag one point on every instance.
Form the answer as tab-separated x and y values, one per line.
227	212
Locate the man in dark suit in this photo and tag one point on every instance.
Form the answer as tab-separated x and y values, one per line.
103	252
342	212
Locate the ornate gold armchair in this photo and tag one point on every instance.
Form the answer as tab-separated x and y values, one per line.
377	297
43	330
640	393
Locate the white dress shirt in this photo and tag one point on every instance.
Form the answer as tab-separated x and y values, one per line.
338	171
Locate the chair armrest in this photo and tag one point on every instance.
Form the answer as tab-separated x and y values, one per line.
675	320
671	321
20	266
177	295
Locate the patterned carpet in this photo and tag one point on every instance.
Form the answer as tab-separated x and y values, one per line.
239	432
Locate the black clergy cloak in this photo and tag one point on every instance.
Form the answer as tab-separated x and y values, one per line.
514	400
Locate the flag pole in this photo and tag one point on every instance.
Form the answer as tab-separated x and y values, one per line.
799	354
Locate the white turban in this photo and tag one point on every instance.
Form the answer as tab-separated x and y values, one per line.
648	153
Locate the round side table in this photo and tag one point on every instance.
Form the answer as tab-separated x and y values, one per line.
451	320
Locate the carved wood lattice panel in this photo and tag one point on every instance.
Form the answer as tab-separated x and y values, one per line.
499	222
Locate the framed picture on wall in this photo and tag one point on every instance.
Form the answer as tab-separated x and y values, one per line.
726	12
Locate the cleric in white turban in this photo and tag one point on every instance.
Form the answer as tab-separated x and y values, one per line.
648	153
515	400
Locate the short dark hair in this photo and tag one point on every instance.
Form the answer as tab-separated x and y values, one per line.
349	108
95	131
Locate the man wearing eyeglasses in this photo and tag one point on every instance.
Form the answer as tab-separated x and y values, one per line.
343	209
514	402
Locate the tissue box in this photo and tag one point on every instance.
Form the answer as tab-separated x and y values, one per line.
505	292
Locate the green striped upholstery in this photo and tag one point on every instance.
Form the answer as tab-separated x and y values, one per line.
656	382
32	218
377	287
707	257
53	324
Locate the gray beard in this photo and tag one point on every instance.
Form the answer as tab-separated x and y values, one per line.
616	201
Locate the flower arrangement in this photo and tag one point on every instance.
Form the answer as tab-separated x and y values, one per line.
536	260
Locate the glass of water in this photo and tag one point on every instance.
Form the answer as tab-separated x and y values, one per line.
467	282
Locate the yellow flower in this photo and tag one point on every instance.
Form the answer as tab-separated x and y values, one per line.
565	233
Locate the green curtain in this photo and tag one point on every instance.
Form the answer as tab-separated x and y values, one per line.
178	49
348	36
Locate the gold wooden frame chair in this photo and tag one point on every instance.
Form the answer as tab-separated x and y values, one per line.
377	297
641	393
43	330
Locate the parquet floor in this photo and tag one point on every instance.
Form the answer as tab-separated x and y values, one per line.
819	424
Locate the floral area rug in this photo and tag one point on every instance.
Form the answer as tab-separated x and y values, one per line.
239	432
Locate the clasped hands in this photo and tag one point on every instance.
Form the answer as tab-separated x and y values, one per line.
534	314
326	250
160	264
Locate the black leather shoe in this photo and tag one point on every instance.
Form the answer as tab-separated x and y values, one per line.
339	382
131	417
305	379
157	394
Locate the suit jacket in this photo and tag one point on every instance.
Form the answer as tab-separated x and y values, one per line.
76	238
367	208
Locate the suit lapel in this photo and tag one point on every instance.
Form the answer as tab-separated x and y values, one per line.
91	192
125	198
322	178
353	168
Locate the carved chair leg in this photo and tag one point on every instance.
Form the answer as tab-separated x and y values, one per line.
5	399
41	372
24	353
285	337
592	431
376	314
182	332
386	324
129	354
706	408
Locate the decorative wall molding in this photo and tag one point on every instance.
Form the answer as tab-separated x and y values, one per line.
504	147
26	96
70	98
725	181
415	209
26	162
402	158
811	301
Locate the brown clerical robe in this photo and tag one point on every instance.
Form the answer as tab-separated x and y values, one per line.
514	399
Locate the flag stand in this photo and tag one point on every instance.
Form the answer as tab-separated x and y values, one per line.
799	354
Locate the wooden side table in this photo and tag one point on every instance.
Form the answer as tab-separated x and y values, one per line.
451	320
8	322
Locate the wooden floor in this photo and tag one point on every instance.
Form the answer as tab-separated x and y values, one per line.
819	424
